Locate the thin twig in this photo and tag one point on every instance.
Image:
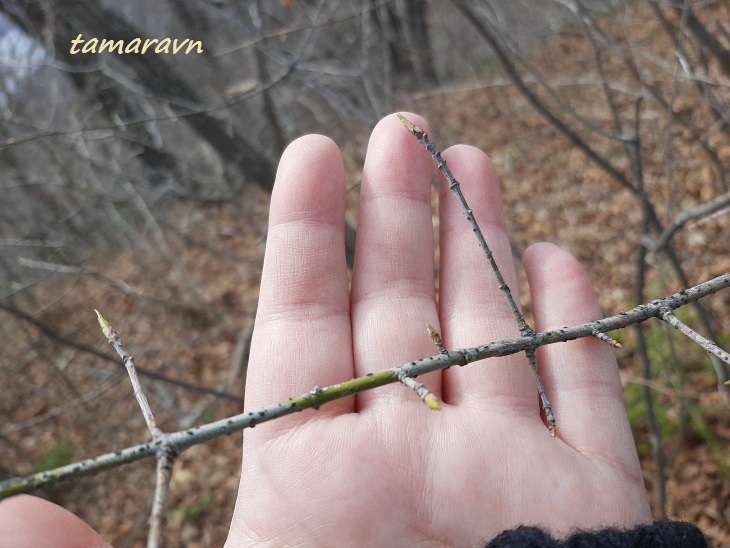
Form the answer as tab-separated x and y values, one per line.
166	454
436	338
543	109
509	67
605	338
421	389
128	360
703	210
320	396
455	187
524	327
629	62
709	346
547	407
165	461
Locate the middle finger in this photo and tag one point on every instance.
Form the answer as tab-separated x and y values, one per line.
393	295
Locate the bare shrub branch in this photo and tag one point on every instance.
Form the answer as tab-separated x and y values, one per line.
319	396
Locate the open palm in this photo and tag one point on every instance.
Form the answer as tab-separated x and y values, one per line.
381	468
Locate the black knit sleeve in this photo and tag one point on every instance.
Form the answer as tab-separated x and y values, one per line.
663	534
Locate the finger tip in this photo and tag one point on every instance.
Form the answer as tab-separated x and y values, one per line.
560	284
479	182
469	153
550	259
393	119
391	134
30	521
395	156
311	172
308	148
540	250
471	163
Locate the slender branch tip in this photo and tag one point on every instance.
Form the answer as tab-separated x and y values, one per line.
102	321
106	327
428	397
436	338
406	122
411	127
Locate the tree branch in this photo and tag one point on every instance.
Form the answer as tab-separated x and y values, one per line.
166	454
524	327
319	396
703	210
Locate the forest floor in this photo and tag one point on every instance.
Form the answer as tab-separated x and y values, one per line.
184	309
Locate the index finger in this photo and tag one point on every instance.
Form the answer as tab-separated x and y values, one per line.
302	334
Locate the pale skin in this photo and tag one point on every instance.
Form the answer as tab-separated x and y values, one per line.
381	468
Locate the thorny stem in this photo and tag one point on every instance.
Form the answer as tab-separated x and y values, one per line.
319	396
524	327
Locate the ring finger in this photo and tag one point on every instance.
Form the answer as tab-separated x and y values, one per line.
473	310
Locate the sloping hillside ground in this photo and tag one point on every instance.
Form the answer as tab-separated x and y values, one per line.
181	309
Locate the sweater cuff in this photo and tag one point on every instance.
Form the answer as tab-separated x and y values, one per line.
662	534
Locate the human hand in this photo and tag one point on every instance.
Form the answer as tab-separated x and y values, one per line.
380	468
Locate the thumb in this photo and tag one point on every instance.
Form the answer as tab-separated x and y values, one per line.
32	521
